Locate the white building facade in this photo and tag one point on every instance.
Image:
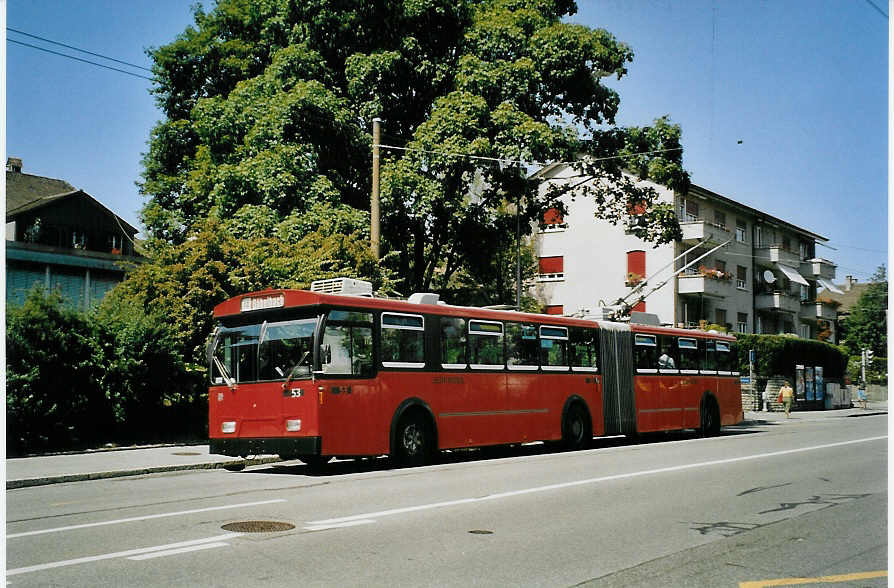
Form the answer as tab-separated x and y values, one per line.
736	266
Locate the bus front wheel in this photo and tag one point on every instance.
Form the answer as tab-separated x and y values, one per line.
413	441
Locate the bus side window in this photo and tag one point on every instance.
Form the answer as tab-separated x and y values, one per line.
710	355
688	349
521	346
645	352
725	357
584	349
486	344
554	348
403	340
667	353
453	343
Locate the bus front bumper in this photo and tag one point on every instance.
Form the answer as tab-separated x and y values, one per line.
285	447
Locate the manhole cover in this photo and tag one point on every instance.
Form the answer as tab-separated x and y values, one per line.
258	527
481	532
186	453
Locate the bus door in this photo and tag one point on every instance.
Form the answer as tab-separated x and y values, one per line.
351	413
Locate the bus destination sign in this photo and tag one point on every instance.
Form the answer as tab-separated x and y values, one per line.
249	304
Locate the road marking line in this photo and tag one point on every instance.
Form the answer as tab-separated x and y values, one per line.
339	525
167	552
819	580
117	554
408	509
144	518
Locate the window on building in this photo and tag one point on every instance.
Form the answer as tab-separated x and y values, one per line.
553	221
742	322
758	236
803	250
741	230
552	268
805	331
720	265
787	243
688	210
720	219
720	316
805	293
636	267
741	277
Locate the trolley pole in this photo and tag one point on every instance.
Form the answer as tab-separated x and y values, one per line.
374	201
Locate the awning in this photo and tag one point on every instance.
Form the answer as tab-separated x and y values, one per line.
828	285
792	274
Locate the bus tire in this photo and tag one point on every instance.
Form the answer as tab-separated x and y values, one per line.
576	428
710	418
413	440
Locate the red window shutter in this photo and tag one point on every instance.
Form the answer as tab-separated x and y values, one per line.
555	309
552	217
636	265
639	306
636	208
552	265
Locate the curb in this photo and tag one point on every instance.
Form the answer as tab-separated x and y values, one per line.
45	481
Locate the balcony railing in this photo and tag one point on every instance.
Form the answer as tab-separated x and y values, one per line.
777	302
818	268
811	310
695	231
776	254
699	284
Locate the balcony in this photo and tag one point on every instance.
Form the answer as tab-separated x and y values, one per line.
811	310
696	231
776	254
818	268
692	284
777	302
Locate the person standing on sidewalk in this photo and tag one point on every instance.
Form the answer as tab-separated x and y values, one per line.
786	394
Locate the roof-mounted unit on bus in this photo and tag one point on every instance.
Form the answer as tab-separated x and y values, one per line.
343	286
424	298
645	318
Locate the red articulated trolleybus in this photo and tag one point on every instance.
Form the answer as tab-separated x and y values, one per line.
313	375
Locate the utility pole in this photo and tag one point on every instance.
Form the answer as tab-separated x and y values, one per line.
374	201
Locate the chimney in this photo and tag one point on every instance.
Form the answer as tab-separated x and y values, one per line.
849	282
14	164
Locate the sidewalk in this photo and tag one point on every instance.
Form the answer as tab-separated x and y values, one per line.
112	463
22	472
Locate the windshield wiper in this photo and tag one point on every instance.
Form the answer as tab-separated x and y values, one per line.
231	383
295	367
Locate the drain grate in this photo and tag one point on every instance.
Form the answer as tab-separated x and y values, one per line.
258	527
481	532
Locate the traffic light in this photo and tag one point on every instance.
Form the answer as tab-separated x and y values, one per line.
869	354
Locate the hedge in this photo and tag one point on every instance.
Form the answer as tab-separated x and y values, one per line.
779	354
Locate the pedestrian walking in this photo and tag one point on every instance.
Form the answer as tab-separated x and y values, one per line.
786	395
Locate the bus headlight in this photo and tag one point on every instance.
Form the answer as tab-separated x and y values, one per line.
228	427
293	425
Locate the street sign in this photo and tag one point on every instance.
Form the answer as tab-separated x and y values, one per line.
745	380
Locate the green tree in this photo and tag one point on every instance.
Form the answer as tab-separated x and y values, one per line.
269	104
867	325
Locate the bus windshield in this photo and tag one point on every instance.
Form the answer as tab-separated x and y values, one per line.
264	352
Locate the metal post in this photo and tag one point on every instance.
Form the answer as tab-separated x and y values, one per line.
517	257
374	202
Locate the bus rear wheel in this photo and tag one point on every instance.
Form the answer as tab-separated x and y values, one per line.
576	429
413	441
710	418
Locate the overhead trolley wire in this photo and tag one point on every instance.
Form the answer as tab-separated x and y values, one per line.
77	49
136	75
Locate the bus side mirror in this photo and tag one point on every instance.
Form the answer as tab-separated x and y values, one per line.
327	353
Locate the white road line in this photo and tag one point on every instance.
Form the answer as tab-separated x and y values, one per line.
339	525
167	552
117	554
329	523
143	518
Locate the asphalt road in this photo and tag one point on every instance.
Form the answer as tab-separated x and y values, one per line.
799	499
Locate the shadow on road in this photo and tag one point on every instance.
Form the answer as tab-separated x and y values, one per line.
382	463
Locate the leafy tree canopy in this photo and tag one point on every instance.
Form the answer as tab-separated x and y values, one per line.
866	326
269	105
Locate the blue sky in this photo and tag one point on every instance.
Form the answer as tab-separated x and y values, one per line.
802	83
